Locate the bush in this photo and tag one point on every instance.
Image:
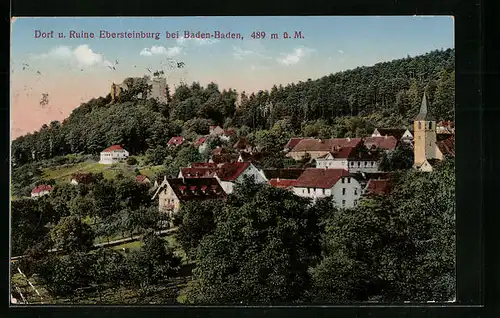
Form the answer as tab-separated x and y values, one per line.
131	161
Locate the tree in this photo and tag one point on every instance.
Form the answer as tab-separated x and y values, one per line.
71	234
194	221
259	252
131	161
152	263
401	158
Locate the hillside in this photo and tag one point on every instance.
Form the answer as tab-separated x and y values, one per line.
386	94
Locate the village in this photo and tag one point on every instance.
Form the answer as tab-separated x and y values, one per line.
345	169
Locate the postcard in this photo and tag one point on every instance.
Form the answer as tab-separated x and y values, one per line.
232	160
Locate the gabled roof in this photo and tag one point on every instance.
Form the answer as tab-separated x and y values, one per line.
424	114
189	189
324	144
242	143
178	140
282	183
386	142
140	178
378	187
225	171
286	173
114	148
447	146
200	141
294	141
351	153
395	132
42	187
320	178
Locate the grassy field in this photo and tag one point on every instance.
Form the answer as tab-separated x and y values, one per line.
62	174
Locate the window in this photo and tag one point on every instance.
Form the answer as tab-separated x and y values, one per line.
366	163
348	179
343	191
323	191
359	164
372	163
303	191
355	202
343	181
430	125
343	203
419	125
355	191
308	190
352	163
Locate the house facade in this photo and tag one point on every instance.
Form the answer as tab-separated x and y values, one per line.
350	159
171	193
338	184
113	154
227	174
315	148
41	190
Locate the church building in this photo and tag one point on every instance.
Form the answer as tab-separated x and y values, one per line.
427	149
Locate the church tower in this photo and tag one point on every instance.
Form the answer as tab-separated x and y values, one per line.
424	127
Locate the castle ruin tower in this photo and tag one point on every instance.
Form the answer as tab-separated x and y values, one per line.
424	127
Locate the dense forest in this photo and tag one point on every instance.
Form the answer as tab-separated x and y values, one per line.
343	104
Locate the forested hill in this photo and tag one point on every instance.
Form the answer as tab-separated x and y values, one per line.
386	94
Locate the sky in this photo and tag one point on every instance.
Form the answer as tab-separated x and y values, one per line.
50	55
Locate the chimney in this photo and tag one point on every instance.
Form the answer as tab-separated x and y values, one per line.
348	139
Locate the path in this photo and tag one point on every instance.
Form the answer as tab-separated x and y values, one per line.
110	243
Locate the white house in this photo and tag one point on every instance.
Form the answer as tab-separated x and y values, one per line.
228	174
41	190
336	183
113	154
350	159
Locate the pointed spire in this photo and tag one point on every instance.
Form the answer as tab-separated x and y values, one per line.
424	113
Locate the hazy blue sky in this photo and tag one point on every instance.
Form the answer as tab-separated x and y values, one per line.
73	70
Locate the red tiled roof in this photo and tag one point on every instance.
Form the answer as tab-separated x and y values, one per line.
378	187
176	141
42	187
200	141
140	178
386	142
293	142
203	165
285	173
113	148
196	188
325	144
351	153
282	183
447	146
320	178
225	171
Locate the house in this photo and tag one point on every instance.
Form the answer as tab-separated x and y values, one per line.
173	192
352	159
243	145
41	190
202	144
429	147
445	127
287	184
176	141
338	184
228	174
252	157
227	134
285	173
142	179
113	155
80	177
223	158
216	131
377	187
319	147
293	142
403	135
388	143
